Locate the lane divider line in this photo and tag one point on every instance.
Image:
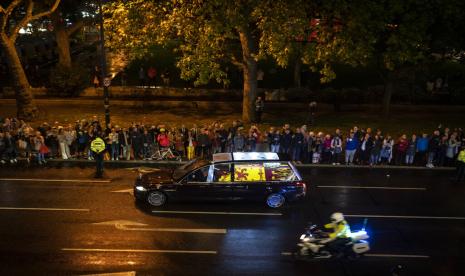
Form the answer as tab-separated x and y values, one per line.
44	209
396	256
139	250
372	187
56	180
404	217
379	255
179	230
127	273
128	225
217	213
128	191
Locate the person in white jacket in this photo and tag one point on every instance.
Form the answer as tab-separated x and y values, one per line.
386	151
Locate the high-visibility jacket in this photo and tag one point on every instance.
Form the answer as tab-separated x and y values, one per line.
97	145
461	156
340	230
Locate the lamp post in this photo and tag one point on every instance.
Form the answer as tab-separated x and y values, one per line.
103	60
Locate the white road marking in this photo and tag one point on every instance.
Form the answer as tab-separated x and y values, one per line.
139	250
143	169
125	225
179	230
129	191
378	255
56	180
44	209
396	256
404	217
121	222
217	213
128	273
372	187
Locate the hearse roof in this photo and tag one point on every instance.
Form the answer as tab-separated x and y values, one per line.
244	156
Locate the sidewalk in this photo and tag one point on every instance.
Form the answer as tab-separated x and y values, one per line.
123	113
155	164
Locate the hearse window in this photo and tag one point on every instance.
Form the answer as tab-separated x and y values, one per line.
222	173
200	175
277	171
246	172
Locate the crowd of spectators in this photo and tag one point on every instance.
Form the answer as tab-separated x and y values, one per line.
19	140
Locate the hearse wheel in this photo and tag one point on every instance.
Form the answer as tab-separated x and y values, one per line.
156	198
275	200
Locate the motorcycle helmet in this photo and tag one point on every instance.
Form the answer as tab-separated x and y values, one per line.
337	217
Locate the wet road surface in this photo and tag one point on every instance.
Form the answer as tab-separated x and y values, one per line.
60	221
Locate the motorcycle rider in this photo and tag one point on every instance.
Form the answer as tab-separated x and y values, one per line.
340	235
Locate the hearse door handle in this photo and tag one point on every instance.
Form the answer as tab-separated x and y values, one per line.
242	186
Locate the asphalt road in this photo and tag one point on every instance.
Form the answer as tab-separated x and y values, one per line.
58	221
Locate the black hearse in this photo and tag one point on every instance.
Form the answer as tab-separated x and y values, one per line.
248	175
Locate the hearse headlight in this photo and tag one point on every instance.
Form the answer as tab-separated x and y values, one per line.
140	188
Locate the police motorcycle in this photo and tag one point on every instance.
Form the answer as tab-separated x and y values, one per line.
311	245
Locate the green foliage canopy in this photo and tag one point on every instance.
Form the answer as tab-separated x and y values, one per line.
207	33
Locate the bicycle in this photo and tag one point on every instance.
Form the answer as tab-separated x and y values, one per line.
166	154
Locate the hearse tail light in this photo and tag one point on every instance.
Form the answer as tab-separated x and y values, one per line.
302	184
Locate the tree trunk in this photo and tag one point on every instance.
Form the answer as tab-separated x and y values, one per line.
250	76
388	90
25	104
297	73
62	40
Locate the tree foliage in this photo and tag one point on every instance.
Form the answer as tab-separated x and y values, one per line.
68	81
208	34
15	15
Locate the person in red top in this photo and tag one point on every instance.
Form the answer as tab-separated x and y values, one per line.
163	139
327	149
152	74
402	145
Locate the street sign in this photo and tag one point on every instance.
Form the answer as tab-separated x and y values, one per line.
106	82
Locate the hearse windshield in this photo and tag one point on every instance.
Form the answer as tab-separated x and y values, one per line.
181	171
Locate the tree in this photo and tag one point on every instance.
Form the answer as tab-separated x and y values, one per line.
400	34
396	34
67	20
13	18
402	39
209	34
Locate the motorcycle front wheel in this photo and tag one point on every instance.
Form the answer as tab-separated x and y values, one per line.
353	257
298	257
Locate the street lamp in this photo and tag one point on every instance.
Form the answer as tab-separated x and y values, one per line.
103	60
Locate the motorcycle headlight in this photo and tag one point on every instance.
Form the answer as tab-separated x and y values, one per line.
302	237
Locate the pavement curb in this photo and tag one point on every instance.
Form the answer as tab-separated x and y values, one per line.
375	167
126	163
